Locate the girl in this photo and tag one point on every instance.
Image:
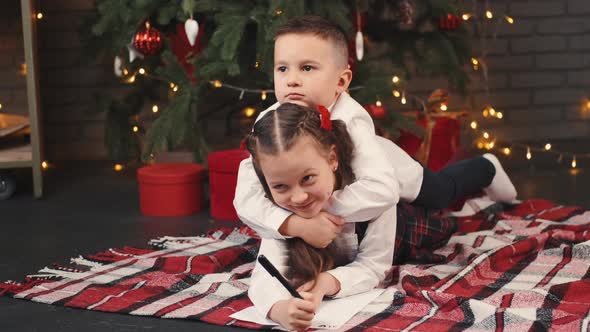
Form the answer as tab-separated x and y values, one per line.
301	157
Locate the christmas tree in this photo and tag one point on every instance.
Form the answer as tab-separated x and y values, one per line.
206	56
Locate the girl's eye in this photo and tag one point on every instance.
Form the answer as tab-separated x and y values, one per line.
279	187
307	68
282	69
308	178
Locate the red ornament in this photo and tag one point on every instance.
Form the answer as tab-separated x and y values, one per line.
449	23
376	112
148	41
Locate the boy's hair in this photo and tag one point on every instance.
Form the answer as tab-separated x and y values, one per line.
278	131
319	27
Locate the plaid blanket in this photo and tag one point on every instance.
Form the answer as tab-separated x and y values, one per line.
524	267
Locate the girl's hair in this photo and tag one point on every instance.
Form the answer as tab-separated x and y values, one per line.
278	131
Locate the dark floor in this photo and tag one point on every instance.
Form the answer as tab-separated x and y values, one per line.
87	207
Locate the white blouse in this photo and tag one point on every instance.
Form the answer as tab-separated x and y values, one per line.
370	262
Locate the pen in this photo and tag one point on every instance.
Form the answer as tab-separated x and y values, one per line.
272	270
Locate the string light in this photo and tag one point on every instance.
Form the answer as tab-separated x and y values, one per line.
509	19
443	107
135	129
404	101
257	64
528	153
23	69
263	95
142	71
155	109
175	88
396	93
118	167
39	15
395	79
574	163
492	111
489	14
588	105
217	84
278	12
466	17
486	135
172	85
125	71
506	151
131	79
499	115
473	125
45	164
249	111
0	106
378	103
548	146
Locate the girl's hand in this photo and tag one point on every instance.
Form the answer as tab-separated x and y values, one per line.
294	314
326	284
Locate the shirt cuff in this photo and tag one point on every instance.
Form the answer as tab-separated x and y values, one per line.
275	220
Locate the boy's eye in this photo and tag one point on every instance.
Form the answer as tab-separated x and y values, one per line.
307	68
282	69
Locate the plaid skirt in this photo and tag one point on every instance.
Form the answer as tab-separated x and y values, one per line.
419	232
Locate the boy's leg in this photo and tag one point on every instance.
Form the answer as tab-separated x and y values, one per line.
467	177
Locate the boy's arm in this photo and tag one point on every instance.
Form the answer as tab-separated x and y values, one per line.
374	258
253	207
376	187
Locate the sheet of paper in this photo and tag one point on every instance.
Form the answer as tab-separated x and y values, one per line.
332	314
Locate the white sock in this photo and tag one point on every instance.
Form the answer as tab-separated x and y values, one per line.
501	189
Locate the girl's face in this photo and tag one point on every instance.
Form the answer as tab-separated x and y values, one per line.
302	179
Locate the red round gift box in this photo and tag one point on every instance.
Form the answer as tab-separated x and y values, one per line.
223	177
173	189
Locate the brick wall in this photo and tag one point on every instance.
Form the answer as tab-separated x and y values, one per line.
539	74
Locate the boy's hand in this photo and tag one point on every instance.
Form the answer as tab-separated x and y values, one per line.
318	231
321	230
294	314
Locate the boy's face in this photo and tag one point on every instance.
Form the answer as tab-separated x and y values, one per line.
306	71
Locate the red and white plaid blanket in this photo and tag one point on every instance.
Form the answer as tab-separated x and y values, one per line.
525	268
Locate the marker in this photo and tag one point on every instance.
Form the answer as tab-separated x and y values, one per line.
272	270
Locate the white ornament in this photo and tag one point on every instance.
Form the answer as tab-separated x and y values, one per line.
133	53
359	45
117	66
191	27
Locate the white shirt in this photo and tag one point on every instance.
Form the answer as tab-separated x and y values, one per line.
384	174
371	260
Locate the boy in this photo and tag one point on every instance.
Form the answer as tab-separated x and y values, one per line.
311	56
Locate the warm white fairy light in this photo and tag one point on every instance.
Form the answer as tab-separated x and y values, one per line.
249	111
263	95
125	71
0	106
175	88
135	129
509	19
404	101
39	15
155	109
528	153
443	107
45	164
548	146
217	84
473	125
499	115
395	79
574	163
486	135
141	71
489	14
378	103
492	111
118	167
131	79
466	17
506	151
396	93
